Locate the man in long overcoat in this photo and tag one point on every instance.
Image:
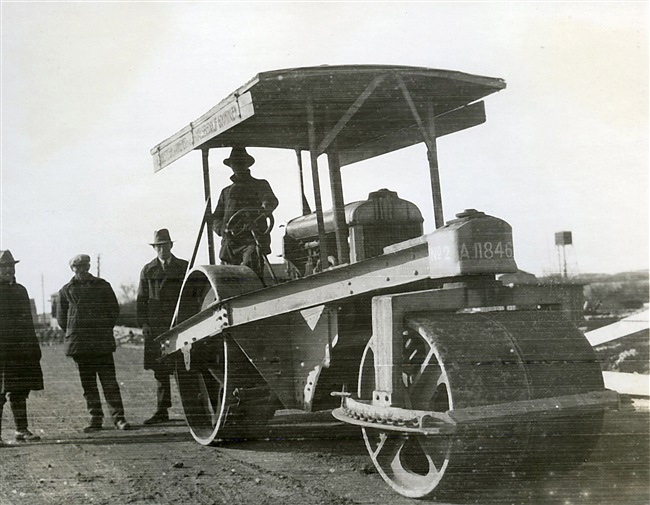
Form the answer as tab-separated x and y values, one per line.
158	290
20	352
87	312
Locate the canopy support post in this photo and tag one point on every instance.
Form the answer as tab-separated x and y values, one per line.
207	217
305	204
340	226
313	154
429	137
432	156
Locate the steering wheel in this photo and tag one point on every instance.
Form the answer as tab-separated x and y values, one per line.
250	220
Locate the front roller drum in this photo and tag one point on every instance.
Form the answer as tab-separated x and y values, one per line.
223	395
456	361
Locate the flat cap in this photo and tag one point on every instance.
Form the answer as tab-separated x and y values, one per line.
80	259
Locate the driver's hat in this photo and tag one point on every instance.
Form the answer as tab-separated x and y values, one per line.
6	258
239	154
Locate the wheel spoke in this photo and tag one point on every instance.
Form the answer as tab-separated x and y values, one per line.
214	386
388	448
424	383
410	462
436	450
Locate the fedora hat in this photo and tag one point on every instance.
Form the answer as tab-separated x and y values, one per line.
161	237
6	258
239	154
80	259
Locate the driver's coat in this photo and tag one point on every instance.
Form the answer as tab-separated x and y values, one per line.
245	192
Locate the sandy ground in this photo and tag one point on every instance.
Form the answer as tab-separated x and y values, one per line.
306	459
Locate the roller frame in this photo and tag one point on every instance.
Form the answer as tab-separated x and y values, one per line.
384	412
364	414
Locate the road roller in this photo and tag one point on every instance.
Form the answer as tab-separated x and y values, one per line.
451	374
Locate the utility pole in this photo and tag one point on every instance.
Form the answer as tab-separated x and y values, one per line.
98	264
43	298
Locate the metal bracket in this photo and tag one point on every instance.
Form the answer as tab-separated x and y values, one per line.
354	411
187	351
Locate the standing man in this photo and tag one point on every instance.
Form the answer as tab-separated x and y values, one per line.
245	194
87	312
20	353
160	284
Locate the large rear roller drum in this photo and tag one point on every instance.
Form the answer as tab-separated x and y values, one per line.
559	361
223	395
454	361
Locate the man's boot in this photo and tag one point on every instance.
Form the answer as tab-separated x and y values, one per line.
19	410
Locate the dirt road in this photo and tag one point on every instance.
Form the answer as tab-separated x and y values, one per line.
307	459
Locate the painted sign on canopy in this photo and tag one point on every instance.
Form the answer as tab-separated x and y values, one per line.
230	112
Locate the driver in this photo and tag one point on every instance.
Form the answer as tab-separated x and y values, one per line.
245	192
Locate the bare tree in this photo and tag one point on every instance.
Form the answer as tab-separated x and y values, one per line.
127	294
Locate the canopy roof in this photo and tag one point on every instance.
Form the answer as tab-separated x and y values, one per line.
366	109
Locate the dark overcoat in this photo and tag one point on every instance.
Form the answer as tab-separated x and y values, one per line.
245	192
20	352
87	312
158	292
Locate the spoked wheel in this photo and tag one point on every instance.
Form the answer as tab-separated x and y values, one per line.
206	393
223	395
453	361
412	465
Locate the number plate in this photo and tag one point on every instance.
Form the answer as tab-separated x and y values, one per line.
473	246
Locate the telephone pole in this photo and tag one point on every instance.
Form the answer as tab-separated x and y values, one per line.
43	298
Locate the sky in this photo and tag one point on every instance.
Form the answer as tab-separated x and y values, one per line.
89	88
